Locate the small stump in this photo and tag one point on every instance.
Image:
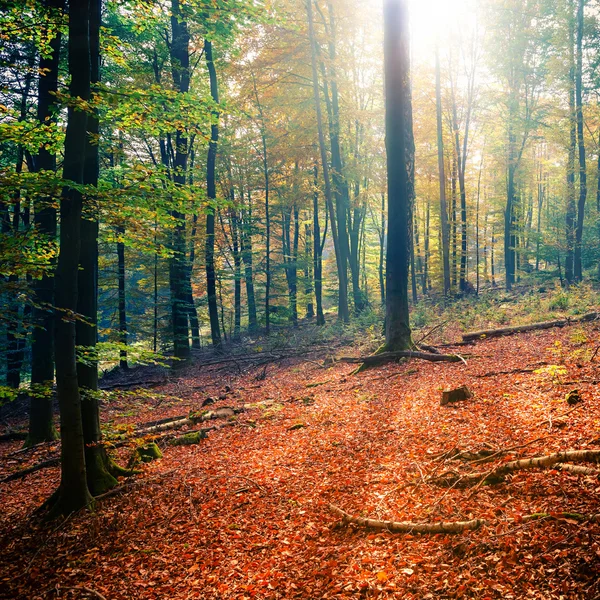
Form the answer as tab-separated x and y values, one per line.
452	396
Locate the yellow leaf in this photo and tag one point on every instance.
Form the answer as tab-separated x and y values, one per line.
382	576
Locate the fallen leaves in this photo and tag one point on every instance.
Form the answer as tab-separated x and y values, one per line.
244	515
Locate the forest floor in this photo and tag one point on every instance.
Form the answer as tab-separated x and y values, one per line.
245	513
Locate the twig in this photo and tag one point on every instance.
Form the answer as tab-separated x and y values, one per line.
84	589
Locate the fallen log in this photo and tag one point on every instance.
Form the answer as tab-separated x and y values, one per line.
10	436
193	419
502	331
385	357
453	526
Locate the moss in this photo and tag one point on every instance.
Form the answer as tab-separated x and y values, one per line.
189	439
99	478
145	453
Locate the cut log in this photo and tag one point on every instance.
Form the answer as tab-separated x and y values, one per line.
451	396
502	331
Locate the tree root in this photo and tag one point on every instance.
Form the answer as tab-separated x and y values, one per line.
386	357
452	526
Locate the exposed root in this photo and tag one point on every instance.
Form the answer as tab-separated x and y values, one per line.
386	357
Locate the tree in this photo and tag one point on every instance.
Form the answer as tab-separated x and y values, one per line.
41	427
400	171
73	493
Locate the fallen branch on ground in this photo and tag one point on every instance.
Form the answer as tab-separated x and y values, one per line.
451	526
502	331
496	475
52	462
407	526
87	590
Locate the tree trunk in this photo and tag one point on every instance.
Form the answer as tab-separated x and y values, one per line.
41	428
571	207
73	492
343	314
381	268
122	300
400	171
100	470
318	252
308	282
180	67
578	272
339	181
247	259
211	191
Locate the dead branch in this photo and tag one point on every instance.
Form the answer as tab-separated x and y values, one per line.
502	331
497	474
452	526
511	372
52	462
84	589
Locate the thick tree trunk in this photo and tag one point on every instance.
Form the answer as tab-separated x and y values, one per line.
180	65
73	491
100	470
400	170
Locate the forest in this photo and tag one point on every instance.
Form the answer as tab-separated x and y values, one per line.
299	299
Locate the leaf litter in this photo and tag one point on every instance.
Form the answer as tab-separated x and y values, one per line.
244	514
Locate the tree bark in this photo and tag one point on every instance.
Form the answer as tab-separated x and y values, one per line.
571	212
400	170
578	271
41	428
211	191
73	492
343	314
180	67
122	300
